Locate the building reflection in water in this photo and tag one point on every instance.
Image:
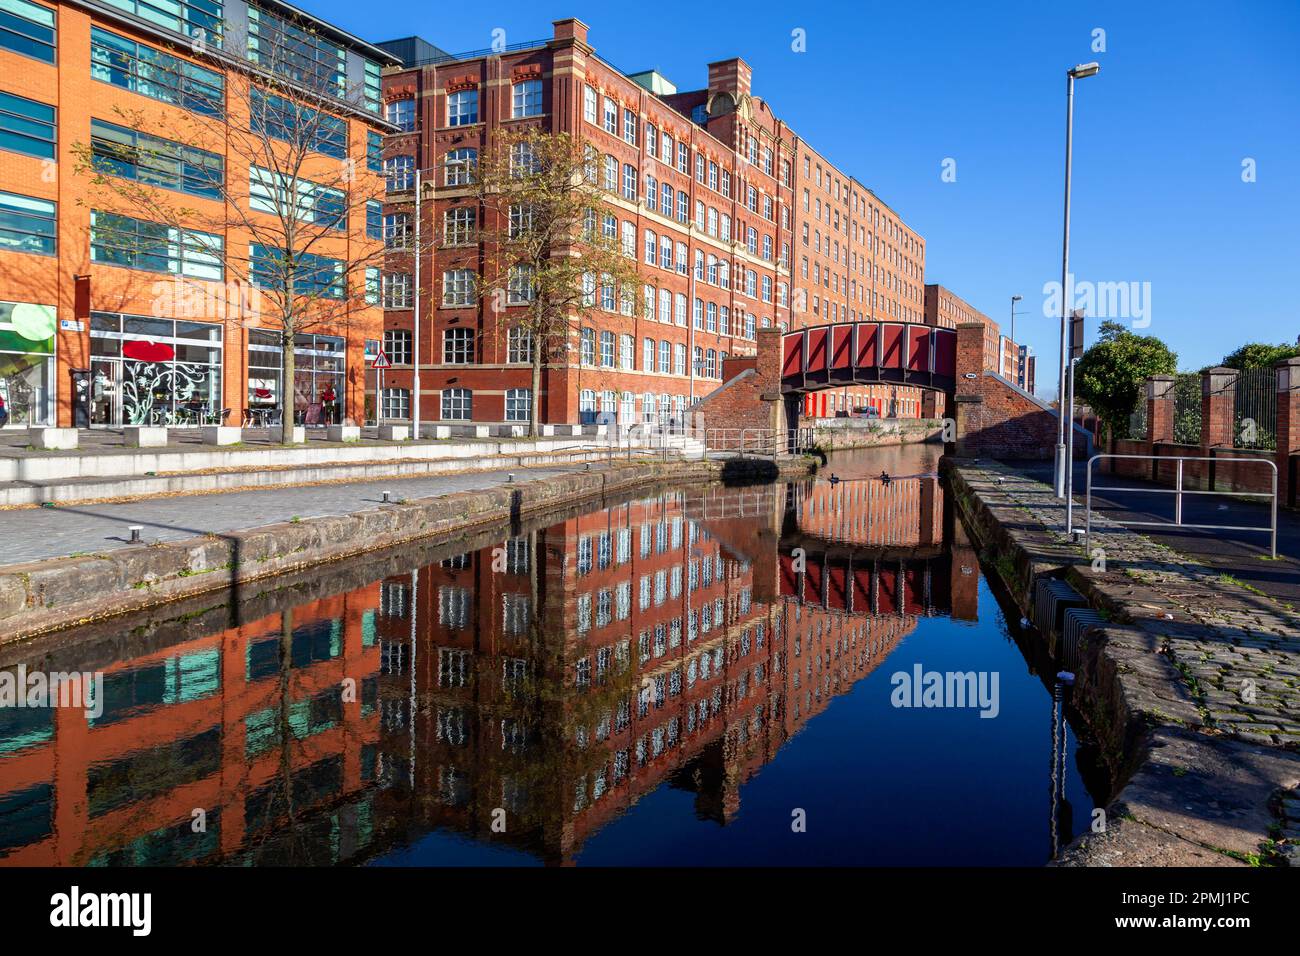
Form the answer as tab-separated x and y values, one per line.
543	683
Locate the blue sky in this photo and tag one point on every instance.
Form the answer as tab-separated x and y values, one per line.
888	91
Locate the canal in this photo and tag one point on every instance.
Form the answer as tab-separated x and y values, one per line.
816	672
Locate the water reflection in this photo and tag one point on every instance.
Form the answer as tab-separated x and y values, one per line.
526	694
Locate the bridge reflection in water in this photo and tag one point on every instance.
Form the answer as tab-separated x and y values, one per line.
539	684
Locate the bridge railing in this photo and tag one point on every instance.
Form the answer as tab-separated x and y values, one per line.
768	442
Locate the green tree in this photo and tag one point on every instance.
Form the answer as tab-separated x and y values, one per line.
1109	377
546	262
1259	355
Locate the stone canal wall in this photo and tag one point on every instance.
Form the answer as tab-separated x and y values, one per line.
835	434
49	595
1191	684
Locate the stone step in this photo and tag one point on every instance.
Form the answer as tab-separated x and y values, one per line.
64	491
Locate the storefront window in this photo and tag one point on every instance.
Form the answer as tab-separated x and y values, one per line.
153	371
318	376
26	363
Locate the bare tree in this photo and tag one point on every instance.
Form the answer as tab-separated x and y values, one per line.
288	197
545	258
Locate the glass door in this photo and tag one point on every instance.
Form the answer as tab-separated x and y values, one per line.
105	392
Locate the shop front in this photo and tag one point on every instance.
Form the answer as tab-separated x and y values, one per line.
153	371
26	364
318	381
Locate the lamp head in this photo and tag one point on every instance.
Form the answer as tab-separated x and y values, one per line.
1085	69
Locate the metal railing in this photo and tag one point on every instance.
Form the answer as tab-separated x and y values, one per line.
1178	491
759	441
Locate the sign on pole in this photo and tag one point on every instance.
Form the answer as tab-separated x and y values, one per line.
1076	334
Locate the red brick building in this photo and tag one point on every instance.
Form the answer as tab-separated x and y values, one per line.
735	223
946	309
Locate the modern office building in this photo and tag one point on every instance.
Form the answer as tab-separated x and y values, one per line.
109	318
735	222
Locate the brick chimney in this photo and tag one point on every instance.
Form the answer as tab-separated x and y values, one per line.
733	76
570	28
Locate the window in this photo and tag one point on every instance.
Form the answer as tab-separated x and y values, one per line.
374	219
27	224
519	285
374	151
589	104
587	346
519	345
27	28
629	127
372	87
395	403
458	225
313	275
458	347
279	118
397	346
526	99
399	173
397	230
607	349
396	294
611	116
665	358
142	69
298	52
401	113
27	126
269	192
457	404
459	165
136	244
201	19
519	404
462	108
457	288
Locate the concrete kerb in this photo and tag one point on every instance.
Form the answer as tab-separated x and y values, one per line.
57	593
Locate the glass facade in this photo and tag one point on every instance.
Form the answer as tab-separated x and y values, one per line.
319	362
152	371
26	364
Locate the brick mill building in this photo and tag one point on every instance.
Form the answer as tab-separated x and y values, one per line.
946	309
86	337
735	222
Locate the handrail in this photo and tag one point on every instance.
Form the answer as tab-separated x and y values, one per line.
1178	491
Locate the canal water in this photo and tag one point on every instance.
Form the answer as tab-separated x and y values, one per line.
816	672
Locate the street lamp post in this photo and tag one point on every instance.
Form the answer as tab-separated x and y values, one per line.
1014	343
1078	72
415	315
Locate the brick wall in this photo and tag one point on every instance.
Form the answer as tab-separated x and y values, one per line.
750	400
995	419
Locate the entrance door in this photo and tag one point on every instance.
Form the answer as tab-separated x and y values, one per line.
105	392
